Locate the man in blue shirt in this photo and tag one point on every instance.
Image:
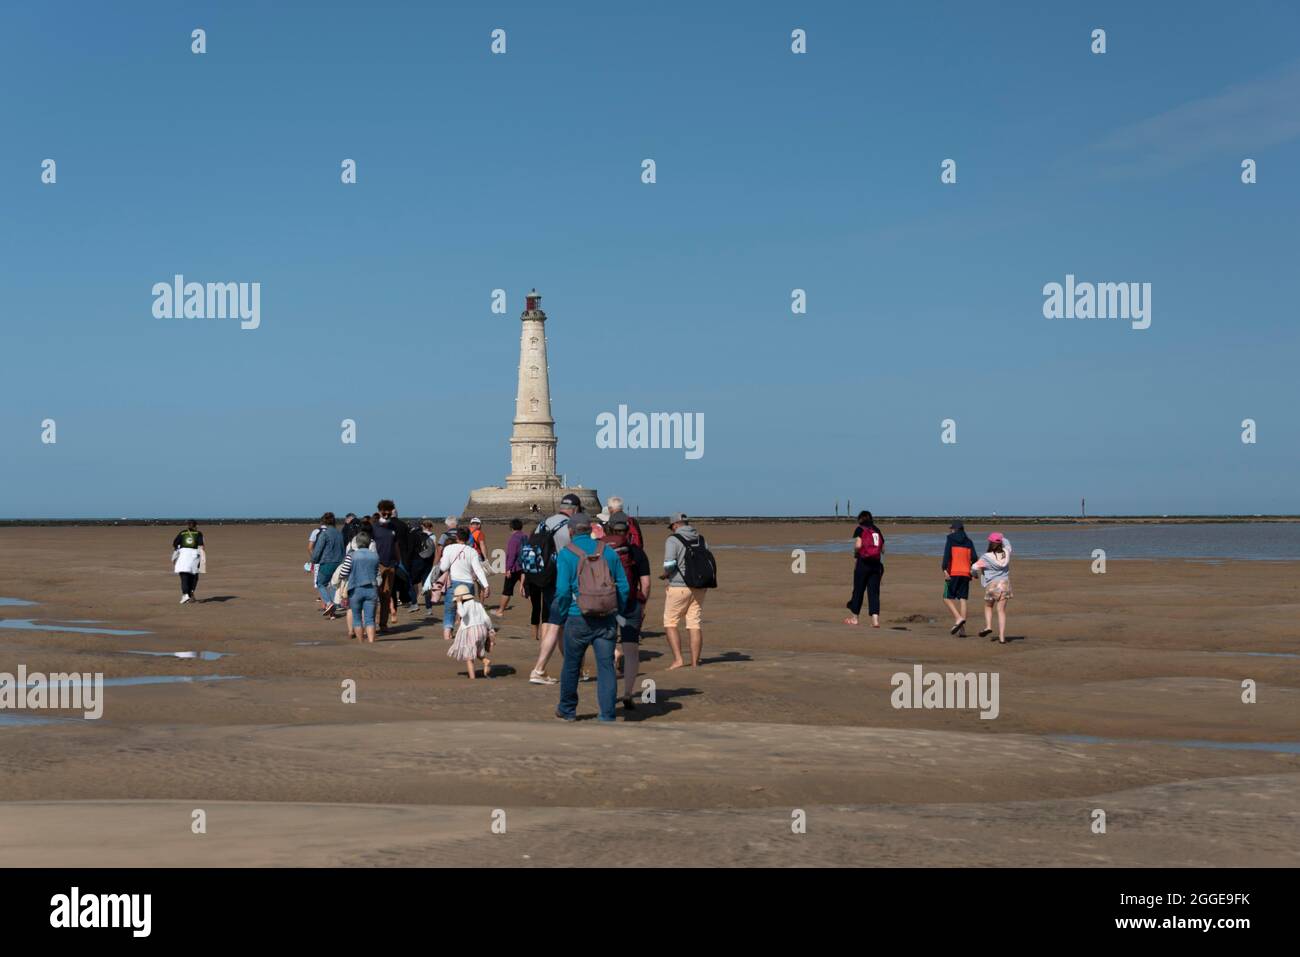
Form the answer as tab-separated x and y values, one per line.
583	631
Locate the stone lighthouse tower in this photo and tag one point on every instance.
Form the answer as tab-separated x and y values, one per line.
532	444
533	486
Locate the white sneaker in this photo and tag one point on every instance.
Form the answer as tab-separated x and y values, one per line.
184	599
542	678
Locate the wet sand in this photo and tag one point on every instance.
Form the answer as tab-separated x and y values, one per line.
790	712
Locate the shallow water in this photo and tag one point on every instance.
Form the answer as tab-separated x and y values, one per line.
16	720
15	601
150	680
1283	747
1214	543
1257	654
30	624
200	655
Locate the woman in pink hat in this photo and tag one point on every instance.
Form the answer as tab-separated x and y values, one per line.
994	567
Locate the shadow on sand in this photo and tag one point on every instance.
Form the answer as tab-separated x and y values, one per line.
725	657
662	705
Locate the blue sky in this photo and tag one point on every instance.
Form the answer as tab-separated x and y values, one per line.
775	171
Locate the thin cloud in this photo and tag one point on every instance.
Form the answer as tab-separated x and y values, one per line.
1241	119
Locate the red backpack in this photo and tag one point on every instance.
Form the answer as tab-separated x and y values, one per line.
620	545
872	544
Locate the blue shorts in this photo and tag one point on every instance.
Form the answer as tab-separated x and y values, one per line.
364	601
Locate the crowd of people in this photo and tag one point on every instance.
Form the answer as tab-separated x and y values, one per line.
587	580
960	563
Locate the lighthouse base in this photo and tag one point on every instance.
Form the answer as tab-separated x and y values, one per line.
499	503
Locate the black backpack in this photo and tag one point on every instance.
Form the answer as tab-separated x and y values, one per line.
537	556
698	567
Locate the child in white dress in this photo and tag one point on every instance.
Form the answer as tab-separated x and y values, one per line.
474	634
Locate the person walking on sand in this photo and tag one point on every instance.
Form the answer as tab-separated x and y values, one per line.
590	588
636	566
994	567
546	542
361	570
474	634
477	538
189	559
513	572
389	548
327	555
689	570
422	546
310	566
868	569
465	566
402	537
958	557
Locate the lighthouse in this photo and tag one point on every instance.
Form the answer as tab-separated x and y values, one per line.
533	484
532	443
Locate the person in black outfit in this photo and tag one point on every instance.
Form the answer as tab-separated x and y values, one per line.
868	569
402	574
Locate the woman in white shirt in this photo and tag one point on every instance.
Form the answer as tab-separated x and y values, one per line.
465	566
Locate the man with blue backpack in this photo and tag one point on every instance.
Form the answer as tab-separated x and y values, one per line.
590	590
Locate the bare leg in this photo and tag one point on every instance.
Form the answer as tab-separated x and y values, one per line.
1002	620
952	607
674	645
697	645
469	666
370	634
550	638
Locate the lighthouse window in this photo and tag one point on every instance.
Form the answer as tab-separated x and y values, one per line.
532	372
533	405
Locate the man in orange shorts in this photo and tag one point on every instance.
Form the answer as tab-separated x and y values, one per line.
680	600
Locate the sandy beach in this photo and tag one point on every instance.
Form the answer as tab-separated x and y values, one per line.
1120	692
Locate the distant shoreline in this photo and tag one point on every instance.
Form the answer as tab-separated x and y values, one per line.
1008	520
